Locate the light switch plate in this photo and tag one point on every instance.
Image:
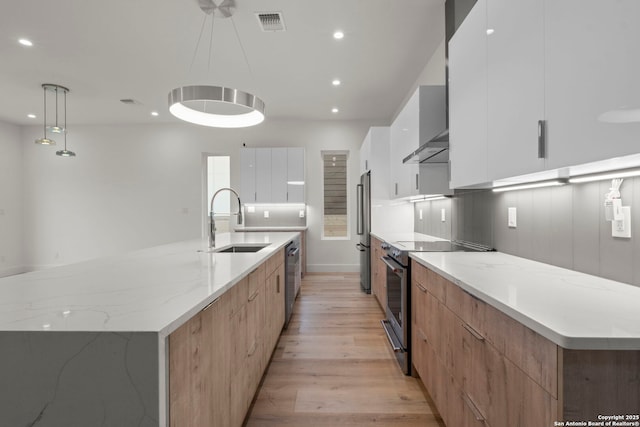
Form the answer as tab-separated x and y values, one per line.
266	214
512	218
443	215
622	228
301	213
420	214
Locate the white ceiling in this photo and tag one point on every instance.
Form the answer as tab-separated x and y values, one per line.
107	50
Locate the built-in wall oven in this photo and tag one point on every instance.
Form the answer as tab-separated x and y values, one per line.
397	324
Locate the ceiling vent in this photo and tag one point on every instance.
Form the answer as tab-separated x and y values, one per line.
130	101
271	21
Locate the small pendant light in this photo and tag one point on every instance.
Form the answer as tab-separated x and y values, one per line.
65	152
44	140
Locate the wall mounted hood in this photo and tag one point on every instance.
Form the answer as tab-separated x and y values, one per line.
436	150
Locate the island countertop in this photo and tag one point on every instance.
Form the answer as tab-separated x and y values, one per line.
149	290
572	309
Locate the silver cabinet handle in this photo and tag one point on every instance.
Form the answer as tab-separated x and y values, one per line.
360	210
473	332
393	268
422	288
417	179
396	188
542	139
252	297
395	346
472	406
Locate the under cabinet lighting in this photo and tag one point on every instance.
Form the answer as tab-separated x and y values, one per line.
625	173
553	183
295	182
25	42
334	110
490	31
336	82
338	35
154	114
425	198
31	116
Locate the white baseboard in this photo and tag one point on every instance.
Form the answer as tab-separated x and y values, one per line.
11	271
333	268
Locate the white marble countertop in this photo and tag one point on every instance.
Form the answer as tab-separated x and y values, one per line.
150	290
391	236
572	309
272	228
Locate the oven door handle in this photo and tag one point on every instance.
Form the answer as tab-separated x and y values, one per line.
398	269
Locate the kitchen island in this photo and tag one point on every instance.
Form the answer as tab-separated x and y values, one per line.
88	344
506	341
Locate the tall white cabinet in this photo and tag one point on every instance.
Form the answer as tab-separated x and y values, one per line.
272	175
542	84
374	157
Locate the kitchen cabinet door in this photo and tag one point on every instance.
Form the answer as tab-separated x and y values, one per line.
263	175
378	162
365	152
515	72
279	175
405	131
592	93
295	175
468	121
248	178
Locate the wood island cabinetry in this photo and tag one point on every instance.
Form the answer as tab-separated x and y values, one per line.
217	358
483	368
378	273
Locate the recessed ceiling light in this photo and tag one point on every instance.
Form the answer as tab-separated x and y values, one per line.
334	110
336	82
338	35
31	116
490	31
25	42
154	113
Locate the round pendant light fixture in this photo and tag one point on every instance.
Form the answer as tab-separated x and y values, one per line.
216	106
55	129
65	152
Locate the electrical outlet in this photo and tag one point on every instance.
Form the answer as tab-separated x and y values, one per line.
266	214
251	209
301	213
443	215
512	218
622	228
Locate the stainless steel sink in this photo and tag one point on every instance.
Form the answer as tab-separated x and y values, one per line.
240	248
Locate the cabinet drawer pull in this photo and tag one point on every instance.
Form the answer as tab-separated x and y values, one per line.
542	139
473	332
472	406
254	296
422	288
208	306
422	336
278	283
253	349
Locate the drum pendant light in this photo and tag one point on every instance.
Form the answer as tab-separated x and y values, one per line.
65	152
216	106
44	140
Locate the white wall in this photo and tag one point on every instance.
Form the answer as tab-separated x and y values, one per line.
137	186
11	211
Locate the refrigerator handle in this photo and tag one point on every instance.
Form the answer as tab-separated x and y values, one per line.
360	213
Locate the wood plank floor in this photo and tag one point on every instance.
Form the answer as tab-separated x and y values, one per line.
333	366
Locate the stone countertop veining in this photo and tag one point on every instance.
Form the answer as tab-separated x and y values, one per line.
574	310
149	290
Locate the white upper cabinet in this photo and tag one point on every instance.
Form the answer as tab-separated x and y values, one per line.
404	139
573	65
468	99
515	78
592	80
279	175
374	157
248	178
422	118
272	175
295	175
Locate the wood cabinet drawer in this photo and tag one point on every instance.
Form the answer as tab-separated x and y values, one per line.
237	296
257	279
530	351
429	280
274	261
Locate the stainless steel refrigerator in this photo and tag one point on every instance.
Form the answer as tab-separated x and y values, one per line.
363	230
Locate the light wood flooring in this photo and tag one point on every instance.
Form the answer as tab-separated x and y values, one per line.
333	366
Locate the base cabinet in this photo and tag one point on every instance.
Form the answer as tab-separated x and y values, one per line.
484	368
378	273
217	358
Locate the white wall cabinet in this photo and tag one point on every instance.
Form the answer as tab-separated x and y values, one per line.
573	64
468	99
592	88
374	157
267	174
515	79
422	118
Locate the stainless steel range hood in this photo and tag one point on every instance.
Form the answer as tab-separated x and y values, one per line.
436	150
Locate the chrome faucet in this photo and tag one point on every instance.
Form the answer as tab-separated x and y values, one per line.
212	221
